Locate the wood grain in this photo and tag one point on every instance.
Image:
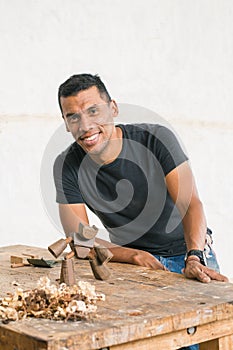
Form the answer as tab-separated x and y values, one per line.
142	308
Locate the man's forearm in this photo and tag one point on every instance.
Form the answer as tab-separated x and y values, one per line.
195	227
120	254
132	256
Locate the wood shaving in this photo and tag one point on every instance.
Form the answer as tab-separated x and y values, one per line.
49	301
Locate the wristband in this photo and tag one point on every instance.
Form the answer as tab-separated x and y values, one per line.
199	253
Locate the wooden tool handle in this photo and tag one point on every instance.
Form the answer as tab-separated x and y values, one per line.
69	239
14	265
69	255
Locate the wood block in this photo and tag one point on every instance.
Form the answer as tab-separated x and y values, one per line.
17	259
67	272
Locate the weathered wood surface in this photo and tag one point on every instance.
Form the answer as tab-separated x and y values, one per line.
144	309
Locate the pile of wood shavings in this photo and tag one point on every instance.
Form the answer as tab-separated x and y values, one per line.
49	301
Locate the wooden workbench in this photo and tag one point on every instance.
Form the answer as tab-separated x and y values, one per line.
144	309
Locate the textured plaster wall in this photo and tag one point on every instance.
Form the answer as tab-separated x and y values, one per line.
173	57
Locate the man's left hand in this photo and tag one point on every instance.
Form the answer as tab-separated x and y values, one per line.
194	269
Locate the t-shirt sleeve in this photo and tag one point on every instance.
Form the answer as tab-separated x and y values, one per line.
66	182
168	150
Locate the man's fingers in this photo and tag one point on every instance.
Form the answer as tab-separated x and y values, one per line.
158	266
146	259
203	273
198	273
203	277
216	276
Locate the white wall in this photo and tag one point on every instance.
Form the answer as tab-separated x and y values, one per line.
173	57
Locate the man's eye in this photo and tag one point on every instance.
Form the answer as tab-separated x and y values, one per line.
93	111
74	118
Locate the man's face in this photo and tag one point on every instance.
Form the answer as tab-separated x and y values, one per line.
90	119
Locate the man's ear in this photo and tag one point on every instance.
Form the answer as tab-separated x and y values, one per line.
114	107
67	127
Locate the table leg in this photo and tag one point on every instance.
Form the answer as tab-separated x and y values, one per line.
223	343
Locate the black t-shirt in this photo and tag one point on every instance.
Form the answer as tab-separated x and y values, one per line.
129	195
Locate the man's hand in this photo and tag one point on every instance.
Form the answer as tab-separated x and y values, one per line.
132	256
194	269
143	258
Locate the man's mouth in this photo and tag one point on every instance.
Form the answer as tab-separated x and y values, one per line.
90	140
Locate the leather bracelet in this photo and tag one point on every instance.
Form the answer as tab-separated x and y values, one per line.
198	253
192	258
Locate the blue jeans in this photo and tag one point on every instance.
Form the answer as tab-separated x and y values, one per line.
176	264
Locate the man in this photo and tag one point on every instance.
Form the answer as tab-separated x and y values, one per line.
137	179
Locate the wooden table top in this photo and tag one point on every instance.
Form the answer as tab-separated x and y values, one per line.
140	303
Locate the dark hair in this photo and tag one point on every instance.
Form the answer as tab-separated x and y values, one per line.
79	82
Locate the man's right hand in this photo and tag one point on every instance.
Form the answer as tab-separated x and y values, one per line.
132	256
72	214
142	258
135	257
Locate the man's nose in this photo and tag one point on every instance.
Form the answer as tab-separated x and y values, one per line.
84	124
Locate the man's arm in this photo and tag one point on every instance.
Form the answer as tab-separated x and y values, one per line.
72	214
181	187
132	256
